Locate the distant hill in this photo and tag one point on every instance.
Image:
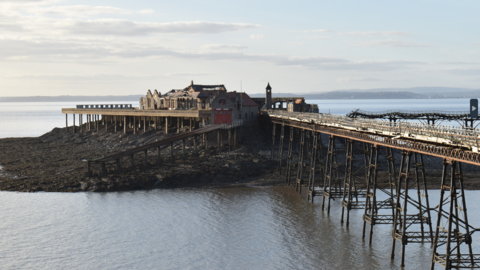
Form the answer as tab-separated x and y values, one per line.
341	94
377	93
387	93
71	98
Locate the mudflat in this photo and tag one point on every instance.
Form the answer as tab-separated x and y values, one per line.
56	162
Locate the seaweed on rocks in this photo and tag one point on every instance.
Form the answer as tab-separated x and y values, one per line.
55	162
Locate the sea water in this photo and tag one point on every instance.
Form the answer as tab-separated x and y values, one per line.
218	228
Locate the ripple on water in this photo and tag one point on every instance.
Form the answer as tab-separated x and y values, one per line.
231	228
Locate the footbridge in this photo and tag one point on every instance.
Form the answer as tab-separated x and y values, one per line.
197	138
429	117
366	157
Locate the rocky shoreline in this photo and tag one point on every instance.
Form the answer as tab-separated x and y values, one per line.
55	162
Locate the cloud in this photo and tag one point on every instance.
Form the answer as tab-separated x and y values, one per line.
117	27
357	80
223	46
257	36
296	43
146	11
92	50
319	37
95	77
391	43
22	1
84	10
183	74
79	77
317	31
378	33
457	63
465	71
8	27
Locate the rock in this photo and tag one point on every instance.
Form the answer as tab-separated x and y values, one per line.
84	186
106	179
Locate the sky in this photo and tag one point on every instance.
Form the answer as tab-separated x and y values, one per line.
120	47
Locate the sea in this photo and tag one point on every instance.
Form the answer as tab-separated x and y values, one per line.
250	227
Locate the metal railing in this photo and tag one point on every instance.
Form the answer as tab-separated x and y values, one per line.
410	113
106	106
443	134
234	124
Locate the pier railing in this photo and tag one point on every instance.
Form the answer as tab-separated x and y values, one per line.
107	106
234	124
454	136
405	113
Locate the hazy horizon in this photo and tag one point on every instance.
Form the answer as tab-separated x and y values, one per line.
420	90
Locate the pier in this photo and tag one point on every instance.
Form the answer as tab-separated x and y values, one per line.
426	117
366	154
339	175
133	119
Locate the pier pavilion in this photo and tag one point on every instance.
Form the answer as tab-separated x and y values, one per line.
195	105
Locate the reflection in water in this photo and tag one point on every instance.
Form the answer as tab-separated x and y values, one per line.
227	228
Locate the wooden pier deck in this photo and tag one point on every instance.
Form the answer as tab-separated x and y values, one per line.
135	112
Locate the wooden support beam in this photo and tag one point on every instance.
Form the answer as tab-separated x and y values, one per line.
119	168
190	124
146	160
81	122
104	169
73	127
229	140
124	125
144	124
89	171
66	122
206	143
115	123
134	125
178	125
183	148
166	125
195	149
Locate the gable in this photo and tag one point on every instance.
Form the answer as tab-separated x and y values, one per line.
223	101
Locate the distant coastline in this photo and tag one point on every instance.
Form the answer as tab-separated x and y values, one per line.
389	93
379	93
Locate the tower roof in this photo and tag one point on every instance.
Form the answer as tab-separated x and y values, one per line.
269	87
